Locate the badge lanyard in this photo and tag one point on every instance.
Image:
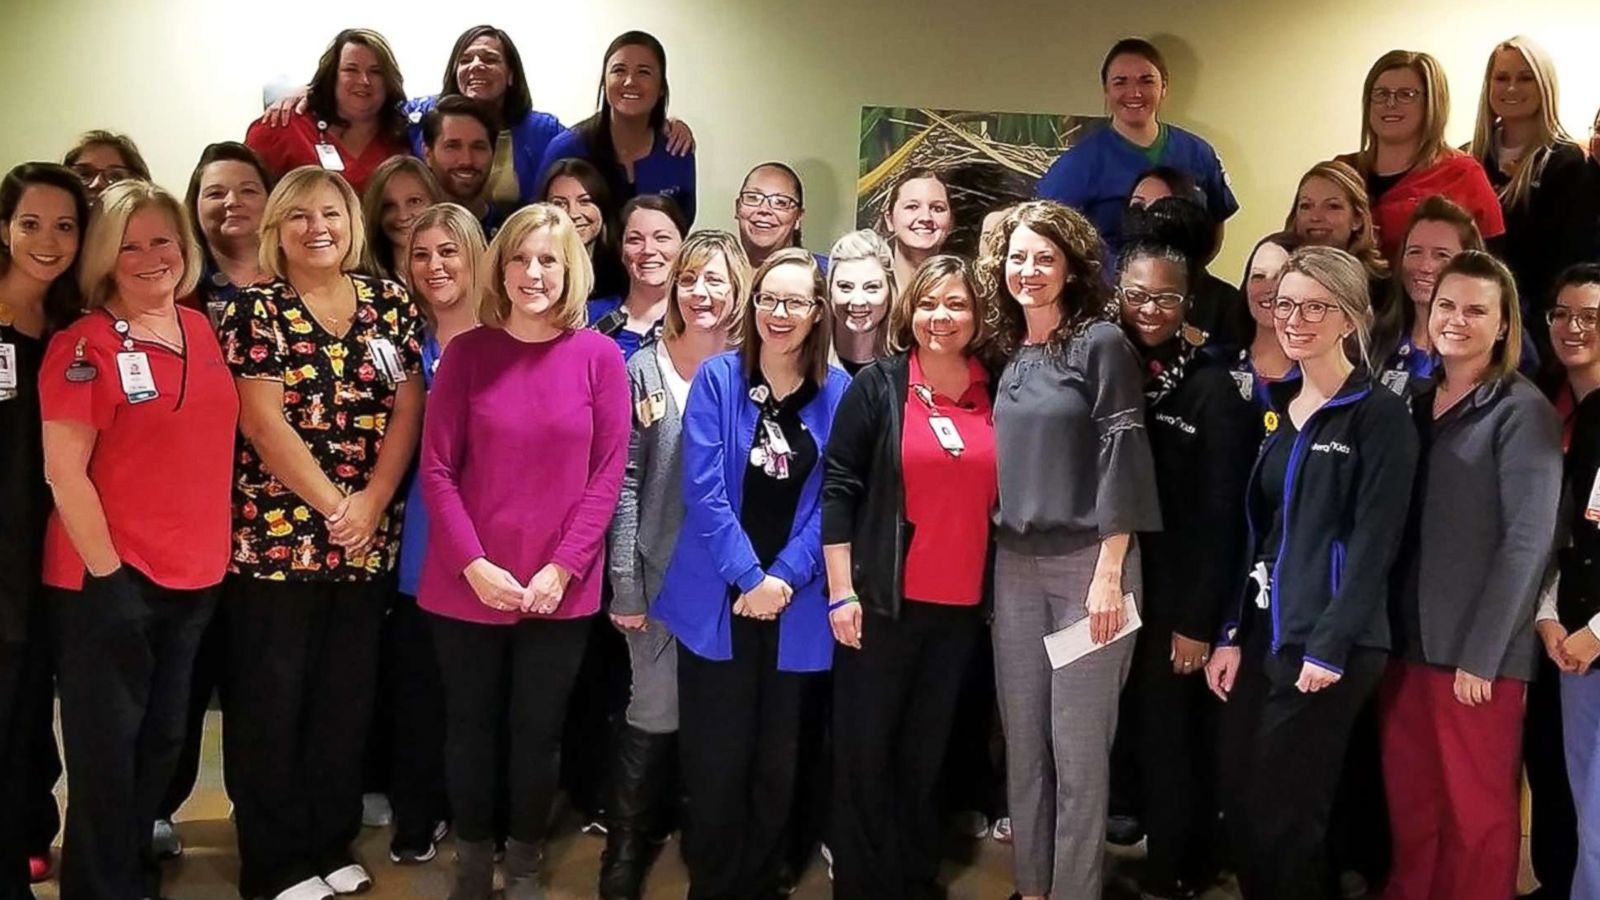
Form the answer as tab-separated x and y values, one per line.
944	428
771	451
327	153
8	360
133	366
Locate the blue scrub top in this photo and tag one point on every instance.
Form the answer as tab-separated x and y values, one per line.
658	173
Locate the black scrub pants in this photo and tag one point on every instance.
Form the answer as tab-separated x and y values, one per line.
126	651
302	671
1553	840
416	702
210	667
16	747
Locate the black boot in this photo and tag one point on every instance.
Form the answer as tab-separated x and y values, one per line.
637	786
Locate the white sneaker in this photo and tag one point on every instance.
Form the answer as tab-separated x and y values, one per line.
351	879
1002	830
376	811
310	889
164	841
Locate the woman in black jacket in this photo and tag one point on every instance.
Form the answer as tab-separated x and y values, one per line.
908	484
1203	432
1326	505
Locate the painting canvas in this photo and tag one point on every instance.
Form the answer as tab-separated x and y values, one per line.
989	159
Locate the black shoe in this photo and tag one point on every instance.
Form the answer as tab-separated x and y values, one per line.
1124	831
637	781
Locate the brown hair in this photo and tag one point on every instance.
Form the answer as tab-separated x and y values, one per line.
933	272
1435	106
123	144
1480	265
321	100
697	251
380	253
467	232
1085	298
1134	46
819	342
1364	243
1394	311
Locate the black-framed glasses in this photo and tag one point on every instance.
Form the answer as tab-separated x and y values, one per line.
110	175
778	202
1311	311
1134	298
795	305
1576	319
1397	96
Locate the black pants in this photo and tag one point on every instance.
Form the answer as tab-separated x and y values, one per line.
1176	719
974	767
209	670
1283	752
417	781
1359	838
893	704
42	813
1553	840
514	679
126	651
598	702
16	749
302	668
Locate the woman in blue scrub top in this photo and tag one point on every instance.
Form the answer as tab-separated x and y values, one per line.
627	138
1098	174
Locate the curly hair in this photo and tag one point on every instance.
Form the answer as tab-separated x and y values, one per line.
1084	300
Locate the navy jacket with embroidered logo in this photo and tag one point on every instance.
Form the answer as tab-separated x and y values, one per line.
1347	491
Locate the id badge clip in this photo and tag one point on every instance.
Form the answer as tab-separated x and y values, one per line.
327	153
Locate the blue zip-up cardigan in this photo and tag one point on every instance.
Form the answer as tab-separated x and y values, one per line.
529	138
713	553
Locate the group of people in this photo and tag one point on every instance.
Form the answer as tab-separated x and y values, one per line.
432	437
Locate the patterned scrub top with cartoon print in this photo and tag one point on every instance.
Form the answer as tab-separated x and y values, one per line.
338	400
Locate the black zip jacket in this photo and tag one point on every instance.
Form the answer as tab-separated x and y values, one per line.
1347	492
1203	437
863	486
1578	591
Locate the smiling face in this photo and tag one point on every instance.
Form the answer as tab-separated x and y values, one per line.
704	294
358	93
404	199
1393	118
316	234
1513	89
150	261
570	196
231	200
1134	90
439	268
763	225
1261	282
1466	320
43	234
534	275
921	218
942	321
859	292
1429	245
460	158
1145	290
1577	339
482	72
1036	269
784	328
1323	216
1301	300
633	81
650	242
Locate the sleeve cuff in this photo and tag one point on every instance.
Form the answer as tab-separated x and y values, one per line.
781	570
749	579
1337	670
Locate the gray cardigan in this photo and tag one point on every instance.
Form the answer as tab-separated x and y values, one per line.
1490	486
650	510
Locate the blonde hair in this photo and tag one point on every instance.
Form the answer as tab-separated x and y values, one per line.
934	271
1532	163
1343	277
817	353
464	229
378	247
102	241
570	311
696	252
1435	106
292	193
1364	243
862	244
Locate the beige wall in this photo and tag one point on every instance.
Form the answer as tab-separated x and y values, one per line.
1274	85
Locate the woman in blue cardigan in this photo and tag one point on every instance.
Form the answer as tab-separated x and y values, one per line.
743	593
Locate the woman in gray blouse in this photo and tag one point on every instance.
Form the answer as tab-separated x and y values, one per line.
1076	483
709	280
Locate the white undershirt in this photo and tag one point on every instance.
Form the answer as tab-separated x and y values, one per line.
675	383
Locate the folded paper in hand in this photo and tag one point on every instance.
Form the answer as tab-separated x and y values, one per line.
1073	642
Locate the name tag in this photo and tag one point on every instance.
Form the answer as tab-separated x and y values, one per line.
138	382
651	409
386	359
1246	383
328	156
1591	510
948	435
776	442
8	371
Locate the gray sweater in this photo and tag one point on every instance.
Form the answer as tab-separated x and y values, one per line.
1488	489
650	511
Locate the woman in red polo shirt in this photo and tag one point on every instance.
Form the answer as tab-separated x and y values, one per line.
909	475
139	415
353	121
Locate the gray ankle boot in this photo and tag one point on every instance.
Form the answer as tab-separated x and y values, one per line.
522	871
474	870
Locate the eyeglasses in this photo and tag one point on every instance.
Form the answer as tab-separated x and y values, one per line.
1311	311
778	202
797	305
1575	319
1134	298
1399	97
111	175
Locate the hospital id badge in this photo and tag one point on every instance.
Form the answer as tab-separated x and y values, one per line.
1591	510
328	156
949	438
777	444
138	382
8	367
387	360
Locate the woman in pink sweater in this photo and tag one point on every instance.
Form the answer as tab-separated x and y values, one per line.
523	450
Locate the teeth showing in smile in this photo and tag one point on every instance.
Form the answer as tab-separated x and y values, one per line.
156	275
46	260
321	244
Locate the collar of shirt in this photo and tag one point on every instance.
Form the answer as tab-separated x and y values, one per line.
975	388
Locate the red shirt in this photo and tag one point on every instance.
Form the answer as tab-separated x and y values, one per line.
949	498
295	144
1459	178
163	467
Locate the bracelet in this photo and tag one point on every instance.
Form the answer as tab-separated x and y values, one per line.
843	602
